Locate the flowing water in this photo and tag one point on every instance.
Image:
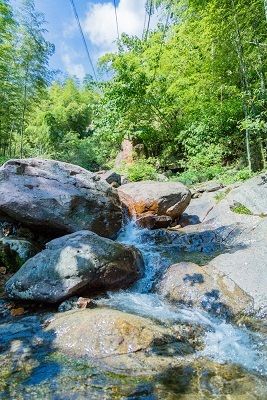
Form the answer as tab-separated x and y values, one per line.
232	364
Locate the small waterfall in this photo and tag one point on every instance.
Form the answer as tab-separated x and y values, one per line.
224	342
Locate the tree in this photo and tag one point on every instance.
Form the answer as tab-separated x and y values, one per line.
33	59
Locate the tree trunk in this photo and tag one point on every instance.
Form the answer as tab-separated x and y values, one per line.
23	112
244	79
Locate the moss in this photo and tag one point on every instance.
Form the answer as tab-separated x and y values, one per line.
221	195
9	258
239	208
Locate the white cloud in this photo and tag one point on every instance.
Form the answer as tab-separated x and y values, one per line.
73	68
69	29
100	23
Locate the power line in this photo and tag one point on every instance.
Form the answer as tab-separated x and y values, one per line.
83	38
116	17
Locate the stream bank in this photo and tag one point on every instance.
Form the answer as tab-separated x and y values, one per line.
138	343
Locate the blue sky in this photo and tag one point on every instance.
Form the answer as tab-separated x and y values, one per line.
98	20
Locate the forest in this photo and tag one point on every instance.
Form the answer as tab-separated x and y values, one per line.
191	92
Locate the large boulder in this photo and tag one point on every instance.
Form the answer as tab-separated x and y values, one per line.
252	194
148	199
58	196
247	264
82	262
117	340
203	287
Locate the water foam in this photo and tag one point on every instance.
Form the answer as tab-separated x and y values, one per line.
224	342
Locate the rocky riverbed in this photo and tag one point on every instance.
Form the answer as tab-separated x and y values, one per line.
169	304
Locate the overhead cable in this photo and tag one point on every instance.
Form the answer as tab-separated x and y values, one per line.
83	39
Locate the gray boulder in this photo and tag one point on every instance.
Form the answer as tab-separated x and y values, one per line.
246	264
252	194
168	199
58	196
82	262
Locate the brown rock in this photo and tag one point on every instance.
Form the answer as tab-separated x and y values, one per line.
146	198
116	339
84	302
3	270
150	221
16	312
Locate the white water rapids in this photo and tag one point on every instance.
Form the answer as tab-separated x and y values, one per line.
224	342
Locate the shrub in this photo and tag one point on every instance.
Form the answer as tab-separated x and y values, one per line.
3	159
141	169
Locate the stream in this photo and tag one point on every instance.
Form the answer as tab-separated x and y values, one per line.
231	365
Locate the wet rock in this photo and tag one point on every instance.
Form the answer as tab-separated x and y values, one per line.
204	287
3	270
17	312
196	238
167	199
15	252
58	196
82	262
75	303
151	221
111	177
84	302
113	338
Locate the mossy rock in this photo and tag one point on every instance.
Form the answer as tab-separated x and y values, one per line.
15	252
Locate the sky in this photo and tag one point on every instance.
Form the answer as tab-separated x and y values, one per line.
99	25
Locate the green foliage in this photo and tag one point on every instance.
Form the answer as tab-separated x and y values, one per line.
239	208
140	170
192	92
3	159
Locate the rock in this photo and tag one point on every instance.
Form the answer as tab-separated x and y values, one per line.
247	264
82	262
3	270
167	199
111	177
59	197
204	287
126	155
161	178
17	312
198	209
15	252
150	221
210	186
75	303
84	302
252	194
113	338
